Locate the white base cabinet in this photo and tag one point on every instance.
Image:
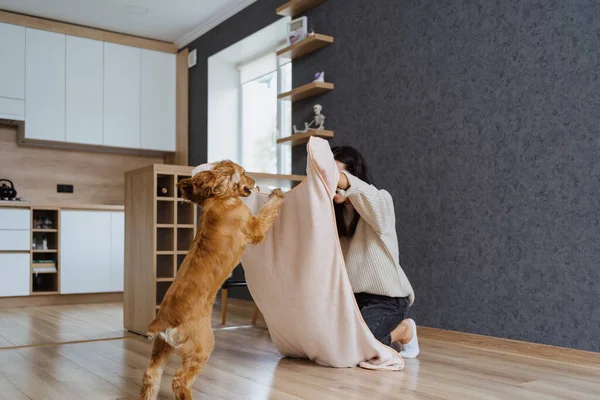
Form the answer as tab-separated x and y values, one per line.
14	269
91	251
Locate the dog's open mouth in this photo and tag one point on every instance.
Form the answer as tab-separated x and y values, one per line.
247	191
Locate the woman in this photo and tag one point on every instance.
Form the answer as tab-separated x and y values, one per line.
367	228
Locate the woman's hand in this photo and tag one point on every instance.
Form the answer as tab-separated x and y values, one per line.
343	182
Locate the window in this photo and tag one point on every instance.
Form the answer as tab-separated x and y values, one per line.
245	119
263	119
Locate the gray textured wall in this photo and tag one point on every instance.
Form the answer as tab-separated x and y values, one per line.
481	120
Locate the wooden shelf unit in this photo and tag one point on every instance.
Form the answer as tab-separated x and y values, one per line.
306	91
309	45
158	233
295	7
304	137
45	283
157	225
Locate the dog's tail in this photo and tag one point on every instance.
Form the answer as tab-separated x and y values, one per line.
169	334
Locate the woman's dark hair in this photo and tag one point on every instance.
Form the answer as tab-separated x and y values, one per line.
355	165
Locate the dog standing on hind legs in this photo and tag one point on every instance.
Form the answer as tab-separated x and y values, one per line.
226	226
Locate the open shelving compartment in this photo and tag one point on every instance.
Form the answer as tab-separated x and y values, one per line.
185	213
165	266
175	226
185	237
44	251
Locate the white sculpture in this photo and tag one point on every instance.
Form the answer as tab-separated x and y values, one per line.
318	122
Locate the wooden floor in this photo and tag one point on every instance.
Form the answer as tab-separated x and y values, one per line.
24	326
245	365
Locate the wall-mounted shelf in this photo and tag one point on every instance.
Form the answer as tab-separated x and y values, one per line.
304	137
306	46
306	91
295	7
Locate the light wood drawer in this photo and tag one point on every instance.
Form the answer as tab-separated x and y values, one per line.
15	240
14	269
14	219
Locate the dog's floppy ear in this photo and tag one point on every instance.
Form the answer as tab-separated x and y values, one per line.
186	187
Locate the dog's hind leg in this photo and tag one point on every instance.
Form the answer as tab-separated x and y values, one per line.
194	354
151	381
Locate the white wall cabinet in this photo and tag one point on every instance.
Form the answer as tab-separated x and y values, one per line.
15	274
92	251
117	251
45	85
158	101
12	67
74	90
122	92
84	72
12	71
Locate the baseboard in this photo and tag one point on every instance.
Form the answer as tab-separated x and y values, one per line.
60	299
562	354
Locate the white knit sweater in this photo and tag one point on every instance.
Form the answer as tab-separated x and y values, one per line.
371	254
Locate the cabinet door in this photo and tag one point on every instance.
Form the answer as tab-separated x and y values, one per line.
122	69
84	91
158	100
85	251
14	269
12	67
44	85
15	240
15	219
117	251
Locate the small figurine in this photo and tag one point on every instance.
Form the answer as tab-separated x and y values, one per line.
47	223
318	122
320	76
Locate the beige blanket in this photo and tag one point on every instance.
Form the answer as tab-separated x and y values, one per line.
298	278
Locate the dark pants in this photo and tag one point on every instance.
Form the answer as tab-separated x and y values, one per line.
382	314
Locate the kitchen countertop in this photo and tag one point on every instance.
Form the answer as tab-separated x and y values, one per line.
31	204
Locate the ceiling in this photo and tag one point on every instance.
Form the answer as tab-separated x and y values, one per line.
179	21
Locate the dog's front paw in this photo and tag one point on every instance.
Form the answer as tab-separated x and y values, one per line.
277	193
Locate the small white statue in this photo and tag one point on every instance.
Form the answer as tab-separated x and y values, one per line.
318	122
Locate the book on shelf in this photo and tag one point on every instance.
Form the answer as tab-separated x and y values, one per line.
41	270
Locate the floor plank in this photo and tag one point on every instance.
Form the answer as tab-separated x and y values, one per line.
246	366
